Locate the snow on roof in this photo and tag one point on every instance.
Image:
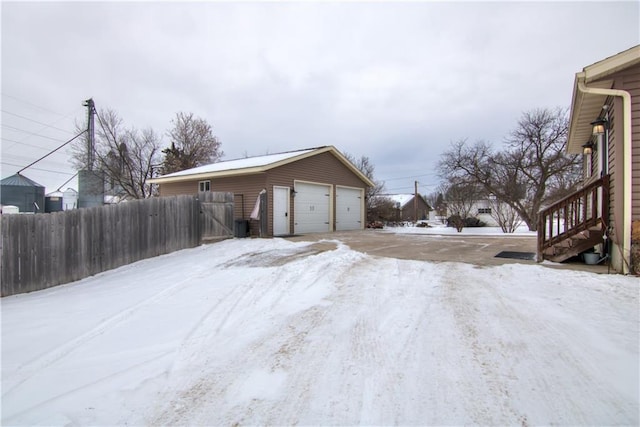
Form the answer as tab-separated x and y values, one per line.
249	162
403	199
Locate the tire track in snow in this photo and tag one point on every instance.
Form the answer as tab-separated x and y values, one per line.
87	386
479	369
193	396
499	336
297	350
33	367
558	348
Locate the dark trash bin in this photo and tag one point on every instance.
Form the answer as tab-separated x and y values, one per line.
241	228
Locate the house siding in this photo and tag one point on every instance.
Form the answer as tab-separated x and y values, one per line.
245	191
408	210
323	168
627	80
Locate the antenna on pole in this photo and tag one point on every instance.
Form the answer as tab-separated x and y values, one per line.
91	111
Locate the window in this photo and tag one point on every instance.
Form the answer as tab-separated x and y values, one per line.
484	211
204	186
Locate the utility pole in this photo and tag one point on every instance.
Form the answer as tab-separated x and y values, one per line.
91	111
90	182
415	202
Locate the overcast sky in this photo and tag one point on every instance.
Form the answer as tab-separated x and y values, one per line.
397	82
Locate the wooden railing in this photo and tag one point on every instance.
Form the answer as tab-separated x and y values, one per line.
574	214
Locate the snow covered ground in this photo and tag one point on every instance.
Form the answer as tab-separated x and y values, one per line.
268	331
441	229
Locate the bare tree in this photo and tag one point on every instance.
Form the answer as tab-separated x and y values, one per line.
504	214
126	158
460	198
367	168
437	204
532	170
381	208
192	144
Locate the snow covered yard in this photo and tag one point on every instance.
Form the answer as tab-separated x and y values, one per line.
258	331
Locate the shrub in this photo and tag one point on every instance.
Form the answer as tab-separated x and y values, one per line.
459	223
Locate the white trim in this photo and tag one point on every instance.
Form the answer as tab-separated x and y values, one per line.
363	207
331	201
626	165
253	165
287	210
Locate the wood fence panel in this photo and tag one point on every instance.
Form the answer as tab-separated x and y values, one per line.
216	210
43	250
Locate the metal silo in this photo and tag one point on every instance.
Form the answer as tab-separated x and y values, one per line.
53	202
20	191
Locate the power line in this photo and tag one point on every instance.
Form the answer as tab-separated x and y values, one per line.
66	182
38	169
38	122
30	133
24	143
62	116
410	177
32	104
51	152
49	162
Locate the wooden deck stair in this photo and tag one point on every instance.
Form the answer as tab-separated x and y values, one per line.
575	224
574	245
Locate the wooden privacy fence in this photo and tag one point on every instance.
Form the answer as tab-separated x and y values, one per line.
44	250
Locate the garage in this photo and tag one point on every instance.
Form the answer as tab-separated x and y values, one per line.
312	208
349	208
313	190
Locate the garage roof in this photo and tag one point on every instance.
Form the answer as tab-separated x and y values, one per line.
252	165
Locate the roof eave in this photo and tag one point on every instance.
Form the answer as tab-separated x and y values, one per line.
262	169
207	175
351	166
587	107
613	64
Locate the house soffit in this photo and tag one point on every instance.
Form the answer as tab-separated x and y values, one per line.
585	108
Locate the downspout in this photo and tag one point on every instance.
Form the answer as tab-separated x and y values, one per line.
626	164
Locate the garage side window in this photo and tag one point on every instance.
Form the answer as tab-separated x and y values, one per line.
204	186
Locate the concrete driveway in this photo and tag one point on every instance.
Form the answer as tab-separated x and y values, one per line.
477	250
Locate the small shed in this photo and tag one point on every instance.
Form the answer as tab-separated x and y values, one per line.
410	207
304	191
20	191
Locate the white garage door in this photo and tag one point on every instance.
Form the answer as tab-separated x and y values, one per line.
311	208
348	209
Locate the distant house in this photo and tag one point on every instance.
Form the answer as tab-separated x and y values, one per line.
409	207
483	210
307	191
604	127
480	209
18	190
